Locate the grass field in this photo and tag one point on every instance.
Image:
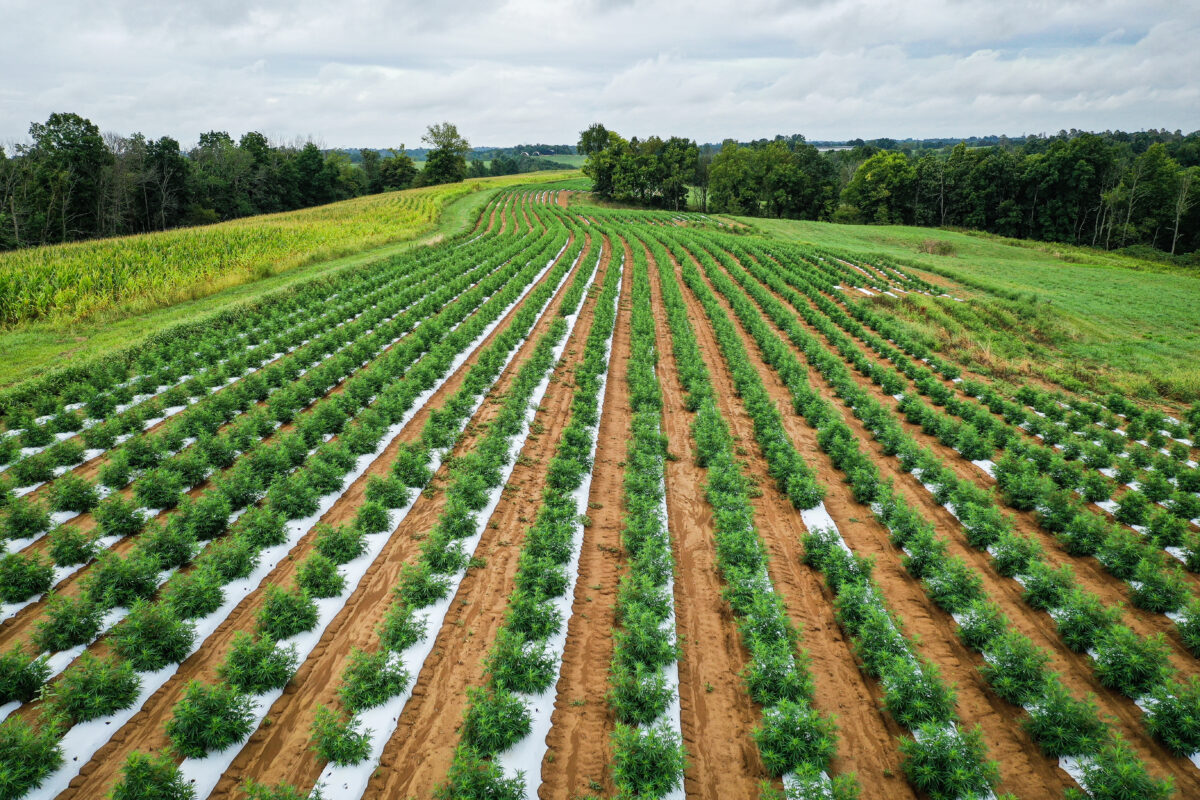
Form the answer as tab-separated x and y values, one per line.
355	232
1083	316
598	502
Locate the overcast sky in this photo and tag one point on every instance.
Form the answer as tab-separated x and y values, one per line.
376	72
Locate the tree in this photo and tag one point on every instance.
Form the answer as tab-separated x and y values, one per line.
166	176
447	161
1185	198
370	168
398	171
69	157
882	189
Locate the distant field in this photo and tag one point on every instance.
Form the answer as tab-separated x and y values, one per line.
1063	313
188	273
78	281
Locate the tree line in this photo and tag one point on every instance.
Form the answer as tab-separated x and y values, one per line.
71	182
1111	190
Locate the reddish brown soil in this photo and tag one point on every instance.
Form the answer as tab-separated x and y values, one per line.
582	721
716	713
867	734
145	729
421	749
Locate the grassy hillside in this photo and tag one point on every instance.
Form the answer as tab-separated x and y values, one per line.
30	348
1072	315
110	278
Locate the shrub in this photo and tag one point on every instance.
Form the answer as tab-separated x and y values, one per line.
1166	529
372	518
169	546
230	558
1012	553
209	718
1115	772
473	777
73	493
159	488
638	694
643	639
370	679
1097	487
1121	551
341	544
117	581
1174	716
979	623
1130	664
25	518
420	586
389	492
1045	587
1133	508
257	665
1064	726
773	675
1082	617
520	665
1016	668
647	761
914	692
495	720
339	741
23	576
319	576
293	497
152	777
116	471
27	755
286	613
1189	626
401	628
280	791
194	594
947	763
152	636
68	622
94	688
1159	586
793	734
1085	534
21	677
263	528
116	516
207	517
70	546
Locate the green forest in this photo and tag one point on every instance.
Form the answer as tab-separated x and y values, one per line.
1112	190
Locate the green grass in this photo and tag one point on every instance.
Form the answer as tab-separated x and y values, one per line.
29	350
1075	316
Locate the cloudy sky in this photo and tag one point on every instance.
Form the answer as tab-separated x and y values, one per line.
376	72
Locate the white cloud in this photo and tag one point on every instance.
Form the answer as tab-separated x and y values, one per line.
374	73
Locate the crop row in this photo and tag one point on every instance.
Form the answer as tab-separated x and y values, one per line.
297	495
508	717
953	585
795	740
206	517
941	759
